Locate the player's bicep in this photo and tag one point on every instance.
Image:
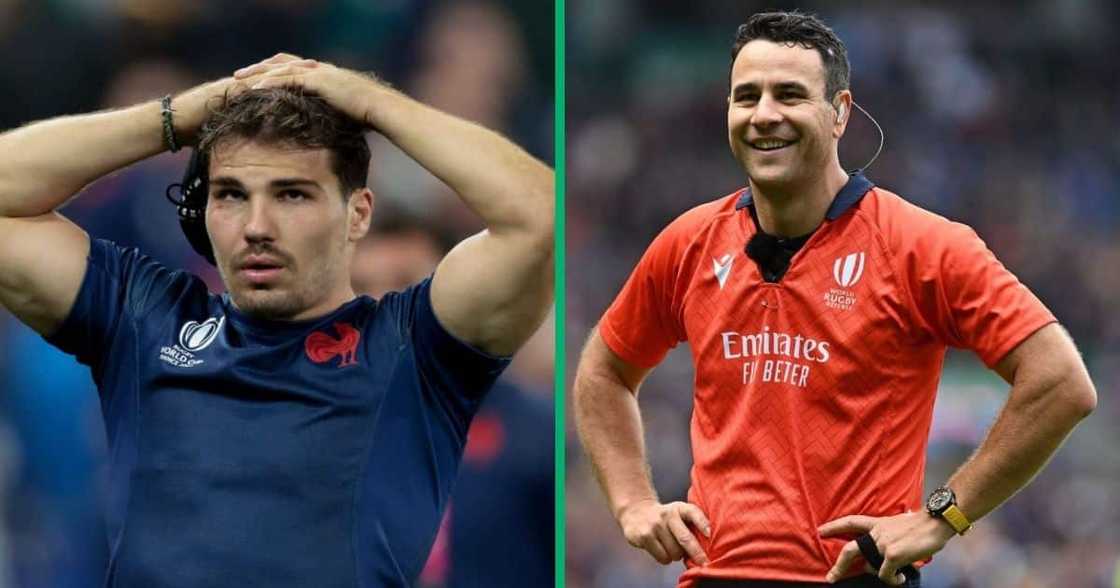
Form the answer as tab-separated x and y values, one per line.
494	292
42	262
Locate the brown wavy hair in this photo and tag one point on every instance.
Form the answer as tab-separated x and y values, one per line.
806	30
292	117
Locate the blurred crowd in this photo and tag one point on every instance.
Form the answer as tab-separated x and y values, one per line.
1003	116
486	60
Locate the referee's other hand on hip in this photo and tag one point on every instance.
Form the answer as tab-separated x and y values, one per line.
901	539
665	530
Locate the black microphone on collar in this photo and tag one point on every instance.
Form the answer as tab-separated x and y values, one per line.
770	254
763	248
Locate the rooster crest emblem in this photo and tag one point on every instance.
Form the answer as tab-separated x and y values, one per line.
321	347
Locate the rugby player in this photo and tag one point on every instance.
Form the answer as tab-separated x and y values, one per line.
286	432
817	307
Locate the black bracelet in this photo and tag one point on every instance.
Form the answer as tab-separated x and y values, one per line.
874	558
870	551
168	126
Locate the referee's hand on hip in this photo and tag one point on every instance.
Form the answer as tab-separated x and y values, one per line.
663	530
902	540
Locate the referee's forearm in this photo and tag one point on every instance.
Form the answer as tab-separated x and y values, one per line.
1037	418
45	163
610	428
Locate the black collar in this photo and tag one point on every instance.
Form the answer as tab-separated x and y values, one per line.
858	185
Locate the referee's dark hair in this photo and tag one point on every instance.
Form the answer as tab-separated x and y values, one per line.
806	30
292	117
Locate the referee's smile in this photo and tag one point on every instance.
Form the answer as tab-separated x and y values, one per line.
769	145
781	128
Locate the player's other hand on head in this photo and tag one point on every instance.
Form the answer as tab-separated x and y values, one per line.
281	62
346	90
191	107
665	531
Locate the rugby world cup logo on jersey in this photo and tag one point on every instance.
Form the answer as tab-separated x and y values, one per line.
846	271
193	337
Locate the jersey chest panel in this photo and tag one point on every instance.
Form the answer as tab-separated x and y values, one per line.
257	408
816	343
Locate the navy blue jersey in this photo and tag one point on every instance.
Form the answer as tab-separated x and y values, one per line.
246	452
505	493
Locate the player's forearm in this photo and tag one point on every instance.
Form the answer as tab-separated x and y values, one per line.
610	428
1037	418
511	190
45	163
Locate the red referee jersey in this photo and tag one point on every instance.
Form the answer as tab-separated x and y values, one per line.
813	396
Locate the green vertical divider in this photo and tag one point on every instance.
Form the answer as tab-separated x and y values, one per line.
559	363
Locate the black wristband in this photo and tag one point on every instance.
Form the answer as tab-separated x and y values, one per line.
870	552
168	125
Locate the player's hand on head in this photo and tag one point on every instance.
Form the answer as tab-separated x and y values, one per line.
192	106
665	531
901	540
346	90
281	62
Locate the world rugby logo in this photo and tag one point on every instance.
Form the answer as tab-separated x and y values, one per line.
196	337
848	270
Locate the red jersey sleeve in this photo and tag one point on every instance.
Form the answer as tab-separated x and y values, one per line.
967	298
643	323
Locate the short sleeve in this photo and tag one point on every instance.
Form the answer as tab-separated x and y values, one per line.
120	286
642	324
968	299
460	372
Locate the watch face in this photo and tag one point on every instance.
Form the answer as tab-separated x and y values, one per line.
940	499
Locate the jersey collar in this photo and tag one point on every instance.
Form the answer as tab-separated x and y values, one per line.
858	185
278	330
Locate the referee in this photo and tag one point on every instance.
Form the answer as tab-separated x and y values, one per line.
817	307
286	432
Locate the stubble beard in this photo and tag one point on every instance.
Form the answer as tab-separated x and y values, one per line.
269	304
284	301
769	175
793	174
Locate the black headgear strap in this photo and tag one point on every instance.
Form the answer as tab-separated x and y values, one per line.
191	203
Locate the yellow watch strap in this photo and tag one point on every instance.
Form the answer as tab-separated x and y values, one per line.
956	519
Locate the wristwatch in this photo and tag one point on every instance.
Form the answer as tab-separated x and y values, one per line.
942	503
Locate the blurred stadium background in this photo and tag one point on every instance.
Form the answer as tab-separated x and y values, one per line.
1001	115
486	60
